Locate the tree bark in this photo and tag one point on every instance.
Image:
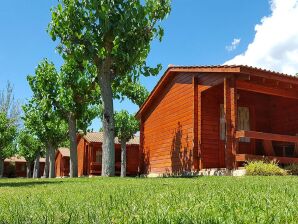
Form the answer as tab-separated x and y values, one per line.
28	172
36	166
1	167
52	173
108	146
73	145
47	163
123	158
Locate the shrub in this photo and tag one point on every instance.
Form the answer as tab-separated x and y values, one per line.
292	169
263	168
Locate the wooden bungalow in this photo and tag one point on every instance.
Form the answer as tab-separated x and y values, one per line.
201	117
16	167
90	155
62	158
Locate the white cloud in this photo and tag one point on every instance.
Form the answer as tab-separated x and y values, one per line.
233	45
275	45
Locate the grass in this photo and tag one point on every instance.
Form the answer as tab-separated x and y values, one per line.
250	199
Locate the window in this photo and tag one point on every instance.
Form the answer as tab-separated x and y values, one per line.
242	123
98	156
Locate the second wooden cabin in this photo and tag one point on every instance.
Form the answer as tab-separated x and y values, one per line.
90	155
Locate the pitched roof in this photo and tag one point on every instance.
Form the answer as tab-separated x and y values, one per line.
97	137
64	151
21	159
245	69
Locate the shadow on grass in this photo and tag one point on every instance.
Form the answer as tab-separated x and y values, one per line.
28	183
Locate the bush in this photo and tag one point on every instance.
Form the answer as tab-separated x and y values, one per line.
292	169
263	168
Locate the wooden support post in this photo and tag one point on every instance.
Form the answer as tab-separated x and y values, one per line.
200	130
230	109
196	114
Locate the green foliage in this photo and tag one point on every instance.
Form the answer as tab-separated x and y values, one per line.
292	169
121	29
134	91
41	117
28	145
77	92
8	131
45	124
263	168
248	199
126	125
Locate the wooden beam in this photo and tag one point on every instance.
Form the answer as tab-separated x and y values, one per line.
248	86
268	75
200	129
281	160
230	110
195	164
266	136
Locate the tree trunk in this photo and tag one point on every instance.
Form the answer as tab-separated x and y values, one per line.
73	145
123	158
28	172
108	146
47	163
1	167
36	166
52	173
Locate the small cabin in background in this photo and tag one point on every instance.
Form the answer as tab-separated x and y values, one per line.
90	155
16	167
200	117
62	159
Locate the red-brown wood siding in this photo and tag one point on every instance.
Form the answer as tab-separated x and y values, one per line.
87	155
168	128
81	156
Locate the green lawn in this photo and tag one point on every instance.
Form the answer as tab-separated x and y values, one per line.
137	200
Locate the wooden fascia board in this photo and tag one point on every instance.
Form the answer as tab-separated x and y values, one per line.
266	90
269	75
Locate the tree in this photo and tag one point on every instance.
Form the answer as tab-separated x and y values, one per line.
9	105
9	117
73	94
29	147
48	127
114	36
126	126
41	117
76	101
8	131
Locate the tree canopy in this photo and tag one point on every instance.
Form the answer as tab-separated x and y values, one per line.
8	132
126	125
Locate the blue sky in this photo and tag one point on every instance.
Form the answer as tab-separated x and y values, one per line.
197	32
